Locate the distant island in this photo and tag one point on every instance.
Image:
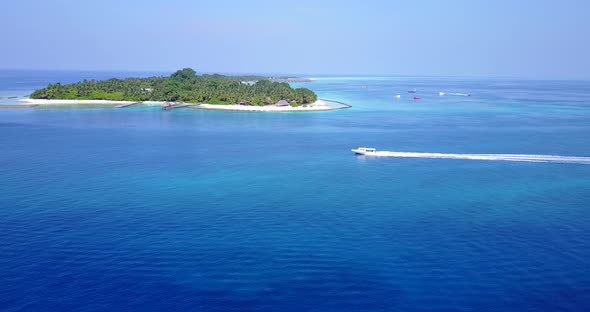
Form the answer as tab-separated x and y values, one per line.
289	79
186	86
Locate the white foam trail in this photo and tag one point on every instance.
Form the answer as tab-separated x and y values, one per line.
491	157
453	93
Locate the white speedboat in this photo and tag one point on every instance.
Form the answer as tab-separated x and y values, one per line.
364	151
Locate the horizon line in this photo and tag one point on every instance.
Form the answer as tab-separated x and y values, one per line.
302	75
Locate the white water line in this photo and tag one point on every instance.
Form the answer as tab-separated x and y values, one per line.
497	157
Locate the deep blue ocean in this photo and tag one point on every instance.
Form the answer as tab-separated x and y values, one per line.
140	209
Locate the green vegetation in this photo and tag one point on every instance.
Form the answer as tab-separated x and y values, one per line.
182	86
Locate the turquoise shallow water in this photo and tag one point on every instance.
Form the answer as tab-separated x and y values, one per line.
144	210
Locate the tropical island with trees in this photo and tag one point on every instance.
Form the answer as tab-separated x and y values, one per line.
183	86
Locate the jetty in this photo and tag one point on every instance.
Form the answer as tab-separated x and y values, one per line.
170	106
18	105
127	104
343	105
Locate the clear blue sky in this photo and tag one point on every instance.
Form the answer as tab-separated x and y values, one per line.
517	38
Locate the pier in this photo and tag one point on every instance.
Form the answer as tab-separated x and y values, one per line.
18	105
170	106
127	104
344	105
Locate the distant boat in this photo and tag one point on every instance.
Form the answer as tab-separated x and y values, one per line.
441	93
364	150
412	91
397	96
416	98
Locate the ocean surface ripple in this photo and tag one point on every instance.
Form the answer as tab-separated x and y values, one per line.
141	209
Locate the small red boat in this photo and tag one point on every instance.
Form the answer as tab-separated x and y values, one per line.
416	98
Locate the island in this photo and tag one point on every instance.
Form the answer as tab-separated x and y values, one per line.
248	93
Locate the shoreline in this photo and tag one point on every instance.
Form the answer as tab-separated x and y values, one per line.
319	105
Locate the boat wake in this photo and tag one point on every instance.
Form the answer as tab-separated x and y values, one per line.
453	93
489	157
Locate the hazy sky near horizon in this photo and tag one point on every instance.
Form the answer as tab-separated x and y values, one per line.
525	38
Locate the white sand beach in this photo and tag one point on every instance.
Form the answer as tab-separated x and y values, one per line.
319	105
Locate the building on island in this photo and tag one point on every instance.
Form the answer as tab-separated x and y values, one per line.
282	103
